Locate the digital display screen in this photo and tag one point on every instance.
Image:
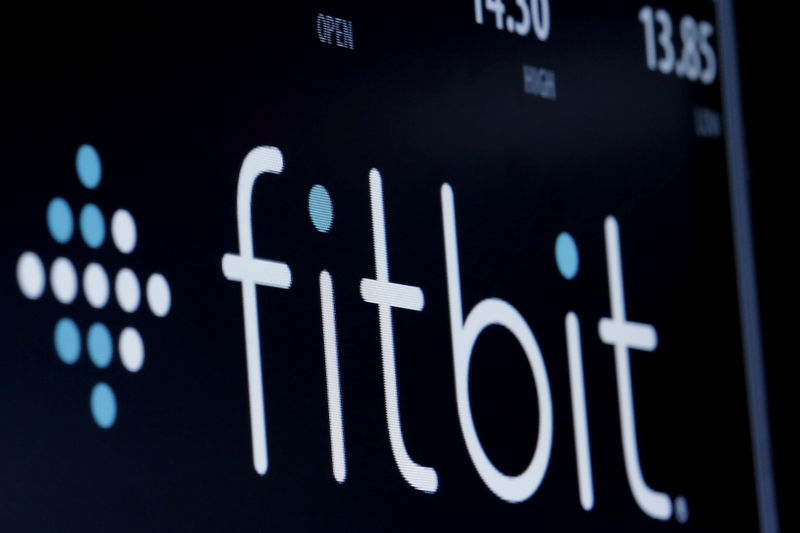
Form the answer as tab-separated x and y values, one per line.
450	266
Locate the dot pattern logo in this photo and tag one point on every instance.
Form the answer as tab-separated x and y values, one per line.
97	340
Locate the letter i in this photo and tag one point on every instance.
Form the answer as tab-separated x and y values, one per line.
567	262
321	210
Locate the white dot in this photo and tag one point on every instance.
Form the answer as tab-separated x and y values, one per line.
123	231
95	285
681	510
131	349
30	275
158	295
127	288
64	280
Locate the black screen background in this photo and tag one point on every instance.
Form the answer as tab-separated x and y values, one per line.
173	98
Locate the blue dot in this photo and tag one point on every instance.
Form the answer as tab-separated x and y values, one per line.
93	227
104	405
87	163
320	208
566	255
59	220
67	339
100	345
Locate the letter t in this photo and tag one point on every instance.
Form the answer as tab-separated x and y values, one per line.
385	295
623	335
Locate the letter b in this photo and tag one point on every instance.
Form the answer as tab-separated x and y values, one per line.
489	312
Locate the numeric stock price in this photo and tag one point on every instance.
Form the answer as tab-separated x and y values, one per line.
697	59
526	15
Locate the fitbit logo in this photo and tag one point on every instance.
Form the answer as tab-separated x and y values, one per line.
388	295
70	338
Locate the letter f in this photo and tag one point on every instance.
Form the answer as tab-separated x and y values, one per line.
249	271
